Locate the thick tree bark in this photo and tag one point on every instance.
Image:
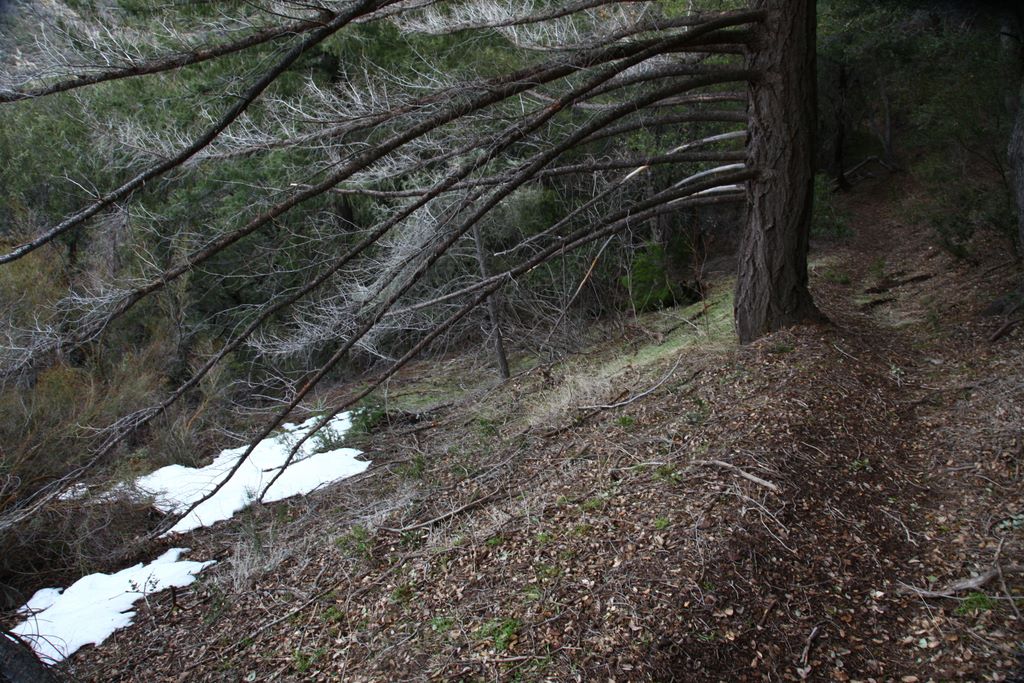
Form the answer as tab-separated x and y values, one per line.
18	664
771	285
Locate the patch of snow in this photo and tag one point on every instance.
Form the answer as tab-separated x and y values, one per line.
75	492
43	599
98	604
91	496
175	487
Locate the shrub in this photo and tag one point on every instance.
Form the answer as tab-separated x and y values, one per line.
967	209
649	281
828	220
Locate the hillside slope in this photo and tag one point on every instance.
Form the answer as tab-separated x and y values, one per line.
666	506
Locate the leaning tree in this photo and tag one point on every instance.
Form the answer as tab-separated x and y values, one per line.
385	188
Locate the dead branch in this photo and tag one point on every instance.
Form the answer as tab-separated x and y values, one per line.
476	502
165	63
646	392
246	99
973	583
741	472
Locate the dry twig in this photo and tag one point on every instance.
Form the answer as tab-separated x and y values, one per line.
743	473
973	583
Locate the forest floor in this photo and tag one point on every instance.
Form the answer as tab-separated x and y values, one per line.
665	506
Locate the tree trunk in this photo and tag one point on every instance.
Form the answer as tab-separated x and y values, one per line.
839	158
771	285
492	308
885	127
18	664
1016	153
1012	39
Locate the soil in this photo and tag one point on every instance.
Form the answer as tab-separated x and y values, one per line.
801	508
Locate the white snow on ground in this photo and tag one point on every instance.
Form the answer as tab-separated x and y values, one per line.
176	487
58	621
43	599
97	605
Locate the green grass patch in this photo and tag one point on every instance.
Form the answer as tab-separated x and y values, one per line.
416	468
667	474
834	275
486	427
402	594
302	661
581	530
333	614
356	543
501	632
441	624
974	603
544	570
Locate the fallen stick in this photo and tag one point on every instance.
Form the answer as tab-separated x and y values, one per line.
1002	580
740	471
806	654
651	390
973	583
1005	329
430	522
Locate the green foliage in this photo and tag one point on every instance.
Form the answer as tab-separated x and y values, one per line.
218	604
488	428
938	84
333	614
860	465
402	594
839	277
302	661
581	530
975	602
678	8
668	474
415	468
648	281
501	632
957	211
357	542
877	268
546	571
699	413
533	593
625	421
36	140
827	220
441	624
328	439
366	417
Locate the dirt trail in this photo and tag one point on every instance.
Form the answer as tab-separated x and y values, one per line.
899	478
757	515
899	472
